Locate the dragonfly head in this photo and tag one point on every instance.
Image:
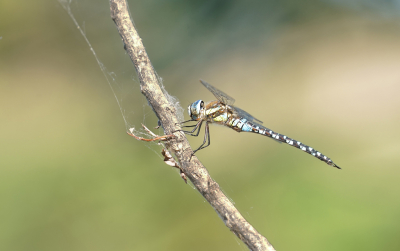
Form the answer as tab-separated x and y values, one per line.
196	109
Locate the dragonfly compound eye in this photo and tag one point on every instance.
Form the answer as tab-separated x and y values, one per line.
196	107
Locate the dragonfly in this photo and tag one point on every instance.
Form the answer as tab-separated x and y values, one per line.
222	112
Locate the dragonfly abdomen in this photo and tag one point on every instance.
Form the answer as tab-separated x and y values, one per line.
241	124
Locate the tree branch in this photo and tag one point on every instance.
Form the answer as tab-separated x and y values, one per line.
179	145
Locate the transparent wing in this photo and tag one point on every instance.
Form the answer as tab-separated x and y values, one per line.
243	114
246	115
220	95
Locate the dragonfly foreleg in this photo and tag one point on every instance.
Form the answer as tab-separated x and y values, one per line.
190	126
196	127
190	120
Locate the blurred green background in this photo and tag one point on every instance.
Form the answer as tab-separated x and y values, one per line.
326	73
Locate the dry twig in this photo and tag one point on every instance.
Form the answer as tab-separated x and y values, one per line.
179	145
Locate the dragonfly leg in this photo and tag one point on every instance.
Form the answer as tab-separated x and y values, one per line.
206	137
196	127
189	126
190	120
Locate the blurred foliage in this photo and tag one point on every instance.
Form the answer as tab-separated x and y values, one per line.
323	72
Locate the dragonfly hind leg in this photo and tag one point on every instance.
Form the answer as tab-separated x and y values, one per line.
206	136
194	133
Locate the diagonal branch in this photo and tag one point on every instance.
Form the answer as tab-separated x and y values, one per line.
179	145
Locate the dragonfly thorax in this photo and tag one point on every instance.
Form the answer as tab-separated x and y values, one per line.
196	110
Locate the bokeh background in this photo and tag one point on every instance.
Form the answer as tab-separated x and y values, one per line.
326	73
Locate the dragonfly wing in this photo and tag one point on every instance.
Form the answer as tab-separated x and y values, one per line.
243	114
220	95
246	115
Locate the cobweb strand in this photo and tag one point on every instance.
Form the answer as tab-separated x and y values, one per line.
66	5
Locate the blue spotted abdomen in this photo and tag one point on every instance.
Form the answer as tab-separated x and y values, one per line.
243	125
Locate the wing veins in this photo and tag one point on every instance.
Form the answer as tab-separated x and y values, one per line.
220	95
